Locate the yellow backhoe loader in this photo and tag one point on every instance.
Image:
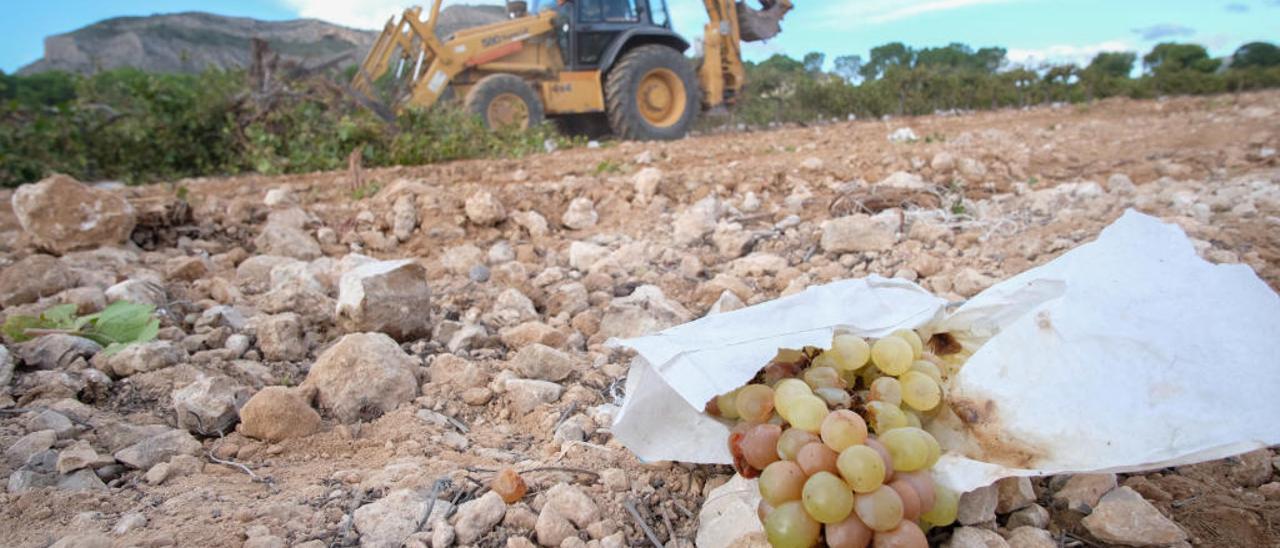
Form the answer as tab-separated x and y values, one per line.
574	60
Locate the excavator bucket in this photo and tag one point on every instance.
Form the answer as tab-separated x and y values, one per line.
762	24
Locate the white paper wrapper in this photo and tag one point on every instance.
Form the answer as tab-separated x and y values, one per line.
1124	354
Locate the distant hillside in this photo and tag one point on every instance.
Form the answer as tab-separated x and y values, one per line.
193	41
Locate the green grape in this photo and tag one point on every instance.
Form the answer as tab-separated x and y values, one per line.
912	419
817	457
727	403
879	448
928	368
913	339
881	509
834	397
923	486
789	526
827	498
792	440
763	510
781	481
885	416
906	535
843	428
892	355
935	449
919	391
850	533
806	413
825	359
862	467
851	351
945	504
822	377
754	403
910	500
760	445
787	391
887	389
908	447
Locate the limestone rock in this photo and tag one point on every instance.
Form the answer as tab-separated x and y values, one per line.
287	241
646	310
460	259
646	183
158	448
580	214
1014	494
386	522
476	517
56	351
276	413
978	506
210	405
32	278
19	451
969	282
572	503
974	537
80	455
552	528
584	254
62	215
541	362
1033	515
280	337
140	358
526	394
1124	517
1081	492
404	218
861	232
697	221
456	371
386	296
532	222
483	209
363	376
1031	537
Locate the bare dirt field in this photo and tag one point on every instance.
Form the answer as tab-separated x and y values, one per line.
530	265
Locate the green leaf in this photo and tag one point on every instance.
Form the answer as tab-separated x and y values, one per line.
122	322
62	316
15	327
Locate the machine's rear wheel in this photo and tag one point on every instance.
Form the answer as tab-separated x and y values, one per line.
505	101
652	94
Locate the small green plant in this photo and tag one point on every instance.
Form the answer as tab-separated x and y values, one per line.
1033	181
369	189
935	138
115	327
957	208
608	166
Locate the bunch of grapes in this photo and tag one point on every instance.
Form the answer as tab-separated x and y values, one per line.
835	437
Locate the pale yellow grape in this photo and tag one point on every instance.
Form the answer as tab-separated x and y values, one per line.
806	413
919	391
781	481
852	351
727	404
913	339
928	368
843	428
789	526
881	509
791	440
754	403
822	377
835	397
786	392
945	504
862	468
912	418
892	355
825	359
827	498
908	448
887	389
885	417
935	449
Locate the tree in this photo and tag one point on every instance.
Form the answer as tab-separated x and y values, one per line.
1170	57
893	54
1114	64
1256	54
813	61
847	67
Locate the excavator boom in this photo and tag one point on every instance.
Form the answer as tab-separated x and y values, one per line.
722	75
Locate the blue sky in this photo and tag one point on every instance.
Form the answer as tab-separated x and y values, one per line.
1034	31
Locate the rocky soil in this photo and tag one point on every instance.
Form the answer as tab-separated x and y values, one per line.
335	371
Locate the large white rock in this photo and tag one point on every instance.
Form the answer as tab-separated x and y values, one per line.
580	214
387	522
391	297
484	209
210	405
861	232
289	241
646	310
61	215
363	376
277	413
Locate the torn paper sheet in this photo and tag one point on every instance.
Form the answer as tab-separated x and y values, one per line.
1126	353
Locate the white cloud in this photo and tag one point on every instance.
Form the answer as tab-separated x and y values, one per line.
883	11
1065	53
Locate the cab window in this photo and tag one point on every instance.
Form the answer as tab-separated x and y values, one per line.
608	11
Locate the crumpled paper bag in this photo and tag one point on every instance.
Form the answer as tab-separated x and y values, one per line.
1124	354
